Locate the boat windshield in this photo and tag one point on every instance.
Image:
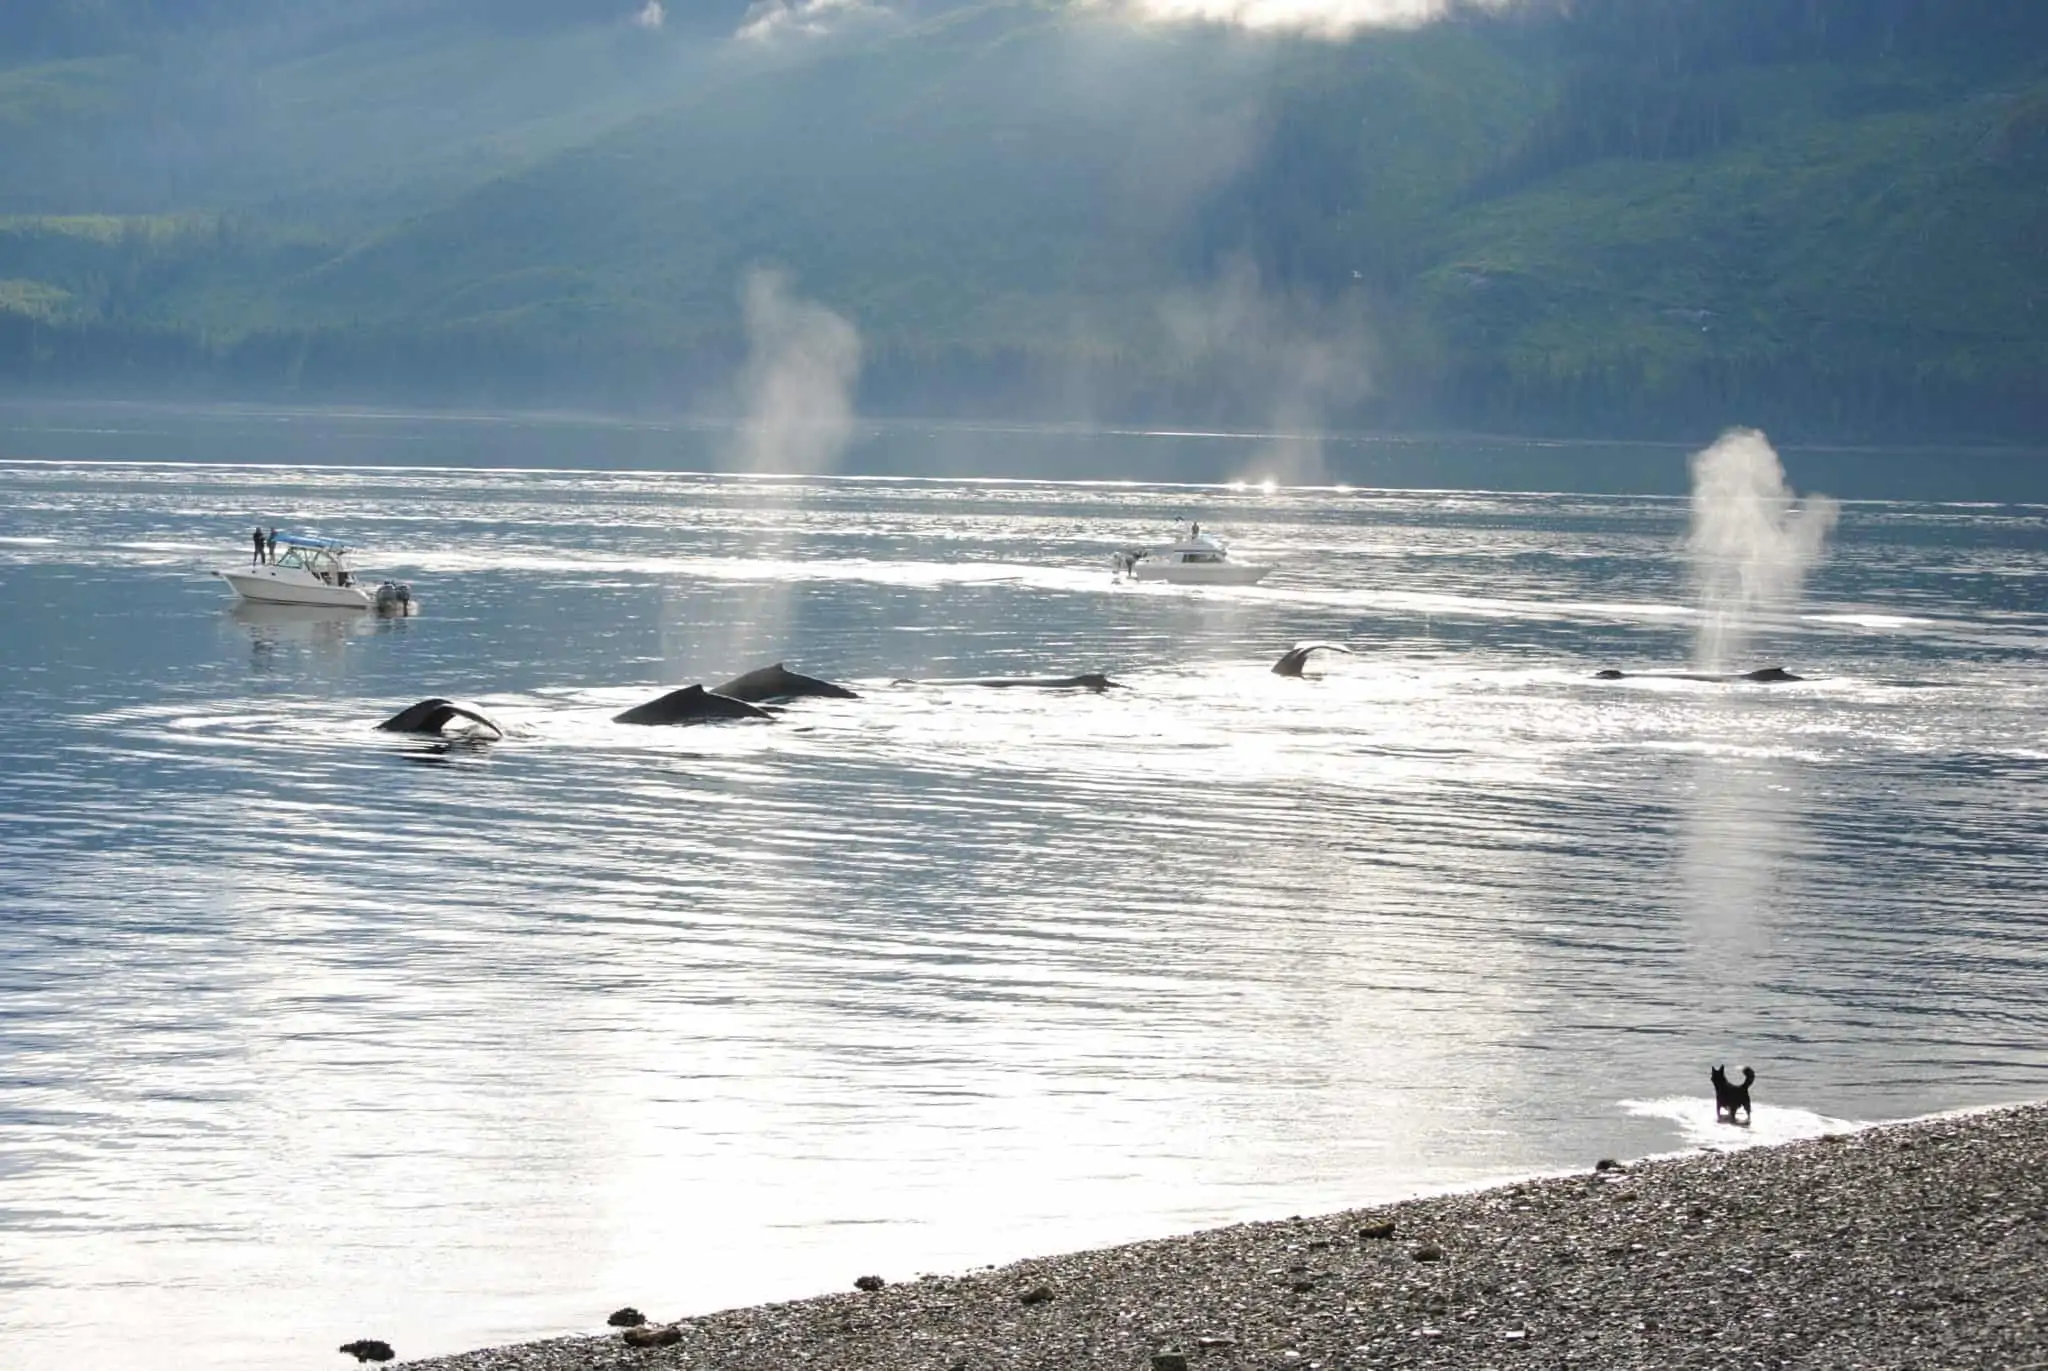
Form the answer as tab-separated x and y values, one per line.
320	557
315	559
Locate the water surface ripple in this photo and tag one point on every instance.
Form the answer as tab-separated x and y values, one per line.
308	1032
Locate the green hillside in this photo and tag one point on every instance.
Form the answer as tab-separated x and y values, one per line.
1620	216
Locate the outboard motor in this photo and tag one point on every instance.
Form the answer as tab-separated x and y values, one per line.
394	597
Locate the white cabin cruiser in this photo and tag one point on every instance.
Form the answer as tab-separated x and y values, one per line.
313	571
1196	558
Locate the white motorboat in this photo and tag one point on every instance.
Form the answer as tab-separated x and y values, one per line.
1196	558
313	571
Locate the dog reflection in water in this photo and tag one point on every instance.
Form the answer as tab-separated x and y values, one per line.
1729	1097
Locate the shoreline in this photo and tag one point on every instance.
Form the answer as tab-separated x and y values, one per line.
663	418
1921	1243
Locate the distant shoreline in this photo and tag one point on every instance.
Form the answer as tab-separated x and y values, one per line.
1230	462
1920	1243
687	420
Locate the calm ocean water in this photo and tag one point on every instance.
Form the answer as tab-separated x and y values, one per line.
309	1032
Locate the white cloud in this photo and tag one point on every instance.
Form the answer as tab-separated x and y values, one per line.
771	19
651	15
1319	18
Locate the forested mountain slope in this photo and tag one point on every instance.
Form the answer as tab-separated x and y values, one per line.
1602	216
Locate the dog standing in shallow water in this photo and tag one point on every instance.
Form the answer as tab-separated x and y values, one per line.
1729	1098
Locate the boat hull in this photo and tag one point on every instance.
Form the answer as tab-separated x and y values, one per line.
1202	573
271	585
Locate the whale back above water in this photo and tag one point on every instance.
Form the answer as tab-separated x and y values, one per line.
1295	658
691	705
434	715
778	683
1093	680
1764	675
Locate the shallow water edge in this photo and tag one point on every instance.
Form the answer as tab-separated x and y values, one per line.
1861	1246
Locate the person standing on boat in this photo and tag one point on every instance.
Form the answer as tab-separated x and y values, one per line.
256	555
270	545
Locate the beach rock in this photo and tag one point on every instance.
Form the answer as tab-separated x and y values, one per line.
1169	1361
1427	1253
1806	1256
1378	1231
869	1283
653	1335
368	1349
629	1317
1608	1164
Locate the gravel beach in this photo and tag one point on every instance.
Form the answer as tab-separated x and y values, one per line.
1922	1245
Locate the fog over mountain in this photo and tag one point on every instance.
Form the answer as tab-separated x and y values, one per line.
1594	216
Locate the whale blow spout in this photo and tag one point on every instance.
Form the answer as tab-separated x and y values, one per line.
1751	544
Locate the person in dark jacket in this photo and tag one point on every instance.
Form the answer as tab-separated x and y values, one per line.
256	553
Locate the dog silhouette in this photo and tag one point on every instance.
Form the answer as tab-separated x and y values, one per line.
1729	1097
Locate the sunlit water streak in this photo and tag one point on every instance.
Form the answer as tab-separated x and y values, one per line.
311	1032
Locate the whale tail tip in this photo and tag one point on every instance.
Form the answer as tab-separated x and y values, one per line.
1296	657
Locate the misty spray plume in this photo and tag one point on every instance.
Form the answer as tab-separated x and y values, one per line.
1752	543
1295	358
797	389
795	395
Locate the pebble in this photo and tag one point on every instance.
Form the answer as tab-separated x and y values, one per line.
653	1335
1816	1255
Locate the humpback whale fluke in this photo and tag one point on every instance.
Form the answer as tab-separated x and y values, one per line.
432	716
1295	658
691	705
1765	675
778	683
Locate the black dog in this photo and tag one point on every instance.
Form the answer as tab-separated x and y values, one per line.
1729	1098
